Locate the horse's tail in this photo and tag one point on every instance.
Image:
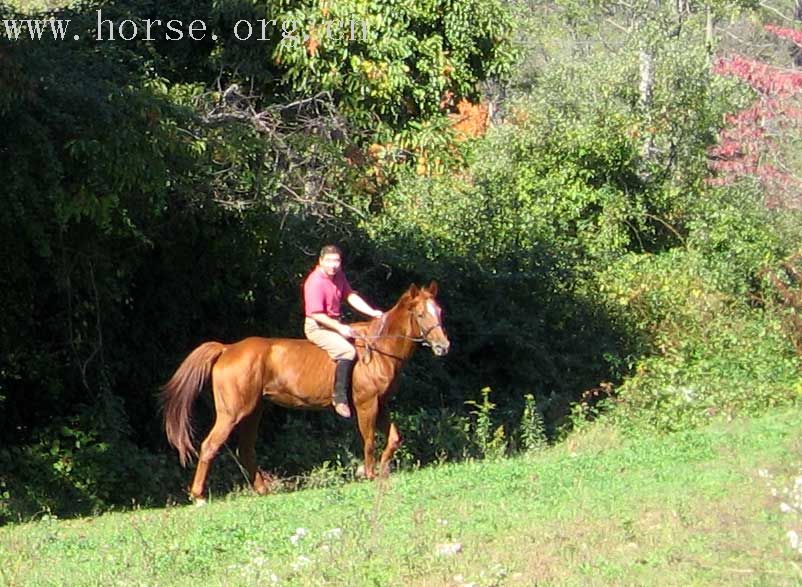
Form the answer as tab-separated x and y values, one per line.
178	394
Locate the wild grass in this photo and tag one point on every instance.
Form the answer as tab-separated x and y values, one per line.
693	508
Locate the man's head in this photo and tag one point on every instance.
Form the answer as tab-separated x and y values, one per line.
330	259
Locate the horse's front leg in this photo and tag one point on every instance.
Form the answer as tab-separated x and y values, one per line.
366	422
388	427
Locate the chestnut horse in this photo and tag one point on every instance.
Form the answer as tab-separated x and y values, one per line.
294	373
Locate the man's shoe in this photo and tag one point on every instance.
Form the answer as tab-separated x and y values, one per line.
342	410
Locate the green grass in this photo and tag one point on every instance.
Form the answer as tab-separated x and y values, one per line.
689	509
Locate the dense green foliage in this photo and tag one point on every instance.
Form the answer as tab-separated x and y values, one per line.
146	212
158	194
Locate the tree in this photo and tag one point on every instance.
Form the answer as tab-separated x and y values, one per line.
762	140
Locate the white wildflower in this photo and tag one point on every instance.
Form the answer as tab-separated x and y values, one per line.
793	538
333	534
299	533
448	549
300	562
763	473
785	508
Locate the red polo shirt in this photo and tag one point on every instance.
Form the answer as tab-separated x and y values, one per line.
324	294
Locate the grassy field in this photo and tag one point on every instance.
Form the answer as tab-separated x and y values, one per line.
697	508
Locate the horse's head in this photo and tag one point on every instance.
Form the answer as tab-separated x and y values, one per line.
427	317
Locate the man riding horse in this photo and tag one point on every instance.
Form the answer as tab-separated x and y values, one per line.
324	289
294	373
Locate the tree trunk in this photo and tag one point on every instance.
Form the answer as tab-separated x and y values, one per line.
796	52
646	85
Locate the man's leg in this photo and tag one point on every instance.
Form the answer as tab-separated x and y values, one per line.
342	385
343	353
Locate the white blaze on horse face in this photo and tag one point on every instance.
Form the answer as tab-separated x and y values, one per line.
430	305
434	310
439	343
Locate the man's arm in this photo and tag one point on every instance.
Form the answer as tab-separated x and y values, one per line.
333	324
360	305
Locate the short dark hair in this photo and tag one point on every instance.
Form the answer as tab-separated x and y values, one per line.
330	250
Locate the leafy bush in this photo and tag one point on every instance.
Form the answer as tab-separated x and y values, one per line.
738	365
708	347
74	468
532	429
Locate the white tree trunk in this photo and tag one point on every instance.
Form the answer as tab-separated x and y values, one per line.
646	86
709	29
797	54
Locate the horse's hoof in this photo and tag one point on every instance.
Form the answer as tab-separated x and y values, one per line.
363	473
199	502
265	482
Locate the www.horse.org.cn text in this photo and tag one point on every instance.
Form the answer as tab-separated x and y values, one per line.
150	29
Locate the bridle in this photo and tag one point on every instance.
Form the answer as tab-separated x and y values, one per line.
424	332
421	338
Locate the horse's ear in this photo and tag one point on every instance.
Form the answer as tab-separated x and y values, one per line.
432	288
413	291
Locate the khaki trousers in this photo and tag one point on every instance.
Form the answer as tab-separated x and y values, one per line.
337	347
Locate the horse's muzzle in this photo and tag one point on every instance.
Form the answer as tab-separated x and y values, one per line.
440	349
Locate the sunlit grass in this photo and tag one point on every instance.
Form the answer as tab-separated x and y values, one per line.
693	508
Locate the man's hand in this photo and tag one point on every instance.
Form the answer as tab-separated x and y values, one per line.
361	306
346	331
334	324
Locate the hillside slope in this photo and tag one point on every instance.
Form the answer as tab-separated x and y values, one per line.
693	508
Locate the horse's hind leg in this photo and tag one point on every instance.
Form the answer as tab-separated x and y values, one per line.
390	431
223	425
247	449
